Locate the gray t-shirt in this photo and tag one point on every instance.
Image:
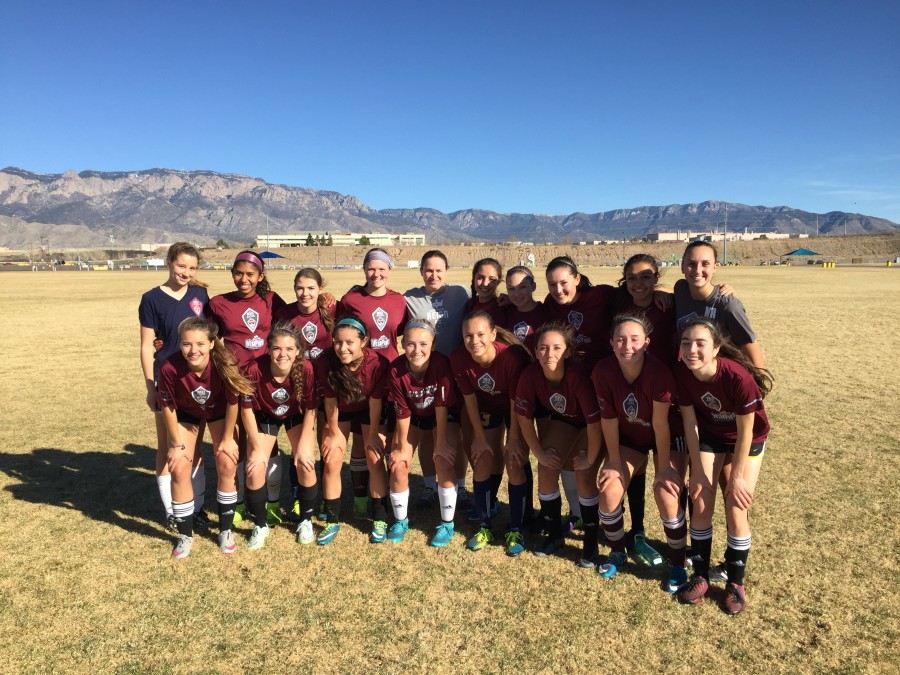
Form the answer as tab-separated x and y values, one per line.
727	311
445	309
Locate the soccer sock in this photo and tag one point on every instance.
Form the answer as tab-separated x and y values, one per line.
736	554
293	478
447	500
570	487
516	505
241	480
676	537
308	496
461	483
430	482
226	502
256	505
551	512
164	483
684	500
359	476
184	516
400	504
590	516
636	489
482	497
614	527
496	479
333	510
529	489
198	485
701	546
379	508
273	478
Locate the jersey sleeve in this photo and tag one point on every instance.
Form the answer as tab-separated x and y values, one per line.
309	399
662	383
146	313
251	372
746	395
516	363
737	323
323	387
458	366
446	392
380	378
587	399
524	397
682	391
396	392
604	394
165	386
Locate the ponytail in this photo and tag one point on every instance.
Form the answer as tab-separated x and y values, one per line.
341	376
262	286
286	328
506	337
623	298
221	356
325	316
569	264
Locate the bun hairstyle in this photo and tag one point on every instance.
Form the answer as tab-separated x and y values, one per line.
324	314
761	376
222	357
503	335
566	262
623	297
697	243
478	265
342	376
251	257
288	329
433	254
184	248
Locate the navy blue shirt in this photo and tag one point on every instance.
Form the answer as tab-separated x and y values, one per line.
163	313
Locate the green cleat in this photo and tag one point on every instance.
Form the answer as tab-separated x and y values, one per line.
481	539
645	552
379	532
273	514
240	514
515	543
360	507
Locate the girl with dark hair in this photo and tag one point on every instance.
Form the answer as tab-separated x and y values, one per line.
486	370
200	383
353	382
284	396
313	317
161	311
720	392
524	315
486	275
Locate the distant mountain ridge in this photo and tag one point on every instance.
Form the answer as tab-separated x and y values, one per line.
90	207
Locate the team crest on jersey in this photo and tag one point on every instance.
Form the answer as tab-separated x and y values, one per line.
201	395
380	317
196	306
630	406
558	403
310	332
520	330
711	402
576	319
486	382
251	319
280	396
313	353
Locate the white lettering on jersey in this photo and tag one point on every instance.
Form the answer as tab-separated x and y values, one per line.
313	353
486	383
558	403
251	319
380	317
281	410
576	319
201	395
254	343
380	343
710	313
310	332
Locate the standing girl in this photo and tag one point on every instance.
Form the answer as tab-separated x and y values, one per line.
524	315
720	392
353	382
284	395
487	370
161	311
200	384
571	434
486	274
423	394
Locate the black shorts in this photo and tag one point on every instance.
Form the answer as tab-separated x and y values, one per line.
494	420
540	412
679	445
571	421
361	417
269	425
718	447
429	422
187	418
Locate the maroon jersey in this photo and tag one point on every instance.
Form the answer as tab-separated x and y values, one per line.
498	313
244	323
204	396
663	340
384	318
572	399
419	396
731	392
278	399
372	373
590	319
525	324
632	403
316	338
494	386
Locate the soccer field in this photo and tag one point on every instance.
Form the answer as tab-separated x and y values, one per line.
87	584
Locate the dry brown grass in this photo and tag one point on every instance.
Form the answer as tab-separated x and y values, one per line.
86	583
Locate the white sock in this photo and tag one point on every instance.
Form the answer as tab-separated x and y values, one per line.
447	500
400	504
198	483
570	487
273	478
241	479
164	483
430	482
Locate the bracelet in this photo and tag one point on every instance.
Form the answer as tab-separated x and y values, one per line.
176	447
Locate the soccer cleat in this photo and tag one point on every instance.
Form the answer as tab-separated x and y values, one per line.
443	534
273	514
571	522
515	543
379	532
718	573
201	521
676	580
481	539
258	537
694	591
613	564
590	561
240	511
171	523
474	515
734	600
427	499
398	531
463	498
226	542
327	535
360	507
294	514
645	552
305	533
550	547
183	547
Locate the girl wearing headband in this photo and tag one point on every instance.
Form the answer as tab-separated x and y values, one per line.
486	274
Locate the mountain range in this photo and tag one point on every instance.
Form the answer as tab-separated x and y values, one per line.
95	208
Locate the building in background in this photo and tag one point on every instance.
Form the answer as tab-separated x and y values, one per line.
338	239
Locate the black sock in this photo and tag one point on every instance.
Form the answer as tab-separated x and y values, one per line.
481	495
333	510
256	504
736	554
590	516
529	489
551	512
701	548
308	496
184	517
379	508
496	479
226	516
295	481
635	493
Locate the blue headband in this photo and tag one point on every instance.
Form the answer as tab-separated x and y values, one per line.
420	324
375	254
352	323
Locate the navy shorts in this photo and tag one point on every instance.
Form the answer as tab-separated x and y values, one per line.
187	418
269	425
494	420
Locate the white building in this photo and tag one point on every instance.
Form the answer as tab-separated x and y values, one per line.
338	239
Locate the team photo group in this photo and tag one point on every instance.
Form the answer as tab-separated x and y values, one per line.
598	383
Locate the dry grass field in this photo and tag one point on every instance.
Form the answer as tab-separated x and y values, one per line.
87	584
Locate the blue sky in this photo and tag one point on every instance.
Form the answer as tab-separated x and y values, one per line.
543	107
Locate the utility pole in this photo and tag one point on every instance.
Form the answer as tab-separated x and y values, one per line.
267	232
725	236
